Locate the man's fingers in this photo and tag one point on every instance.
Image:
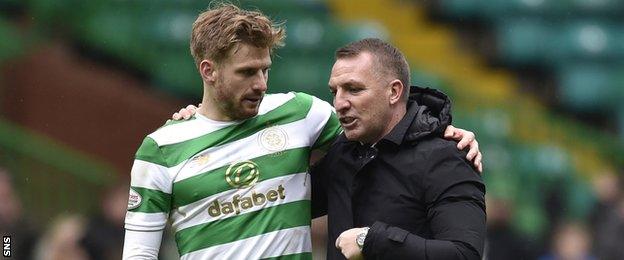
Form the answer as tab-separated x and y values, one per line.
176	116
449	132
191	108
187	112
338	242
184	112
347	254
474	149
465	141
477	162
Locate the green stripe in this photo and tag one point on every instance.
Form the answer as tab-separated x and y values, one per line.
150	152
300	256
213	182
330	131
293	110
152	201
294	214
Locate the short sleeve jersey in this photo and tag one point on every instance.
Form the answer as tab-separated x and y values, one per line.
233	190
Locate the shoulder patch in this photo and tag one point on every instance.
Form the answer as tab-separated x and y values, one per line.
134	200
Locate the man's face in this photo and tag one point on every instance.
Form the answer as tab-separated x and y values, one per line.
361	98
241	81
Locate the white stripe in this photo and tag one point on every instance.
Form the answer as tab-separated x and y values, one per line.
140	221
151	176
243	149
282	242
296	188
272	101
184	131
188	130
319	115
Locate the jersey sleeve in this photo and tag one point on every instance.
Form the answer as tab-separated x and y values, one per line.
141	245
149	202
323	123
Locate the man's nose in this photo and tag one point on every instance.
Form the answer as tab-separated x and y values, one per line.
261	82
341	103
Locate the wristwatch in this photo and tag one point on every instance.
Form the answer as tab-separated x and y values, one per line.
359	239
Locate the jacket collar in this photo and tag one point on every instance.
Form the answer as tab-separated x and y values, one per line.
398	132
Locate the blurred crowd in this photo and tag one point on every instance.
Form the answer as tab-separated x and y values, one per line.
100	235
70	235
599	236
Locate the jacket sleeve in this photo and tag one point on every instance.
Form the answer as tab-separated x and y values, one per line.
455	200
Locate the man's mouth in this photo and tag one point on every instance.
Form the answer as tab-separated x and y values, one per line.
347	121
252	100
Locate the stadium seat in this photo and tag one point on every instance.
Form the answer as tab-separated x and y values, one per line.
493	10
538	41
310	35
586	87
300	73
597	7
461	8
522	40
587	40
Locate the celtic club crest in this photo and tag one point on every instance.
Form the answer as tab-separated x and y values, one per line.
242	174
273	139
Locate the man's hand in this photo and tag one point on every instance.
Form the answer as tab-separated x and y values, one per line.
466	139
346	244
185	113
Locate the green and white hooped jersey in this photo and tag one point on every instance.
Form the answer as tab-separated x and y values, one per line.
233	190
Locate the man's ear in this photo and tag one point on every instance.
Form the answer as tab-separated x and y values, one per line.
396	91
207	70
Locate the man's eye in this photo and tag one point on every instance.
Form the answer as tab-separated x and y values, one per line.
249	72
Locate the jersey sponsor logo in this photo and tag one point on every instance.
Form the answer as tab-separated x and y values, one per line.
242	174
240	203
134	200
273	139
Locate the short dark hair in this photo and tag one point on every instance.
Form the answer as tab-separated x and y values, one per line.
390	59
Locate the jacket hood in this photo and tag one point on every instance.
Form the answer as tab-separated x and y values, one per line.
430	110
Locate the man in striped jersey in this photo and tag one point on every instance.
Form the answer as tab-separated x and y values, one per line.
233	179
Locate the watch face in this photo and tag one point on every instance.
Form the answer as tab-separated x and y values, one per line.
360	239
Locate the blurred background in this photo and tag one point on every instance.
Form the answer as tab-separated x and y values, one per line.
540	82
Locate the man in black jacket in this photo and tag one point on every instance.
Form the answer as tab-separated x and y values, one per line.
391	186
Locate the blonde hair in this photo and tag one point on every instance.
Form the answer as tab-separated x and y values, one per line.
220	28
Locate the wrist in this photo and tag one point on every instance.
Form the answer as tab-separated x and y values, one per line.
361	237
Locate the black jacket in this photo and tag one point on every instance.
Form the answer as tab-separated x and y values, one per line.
415	190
